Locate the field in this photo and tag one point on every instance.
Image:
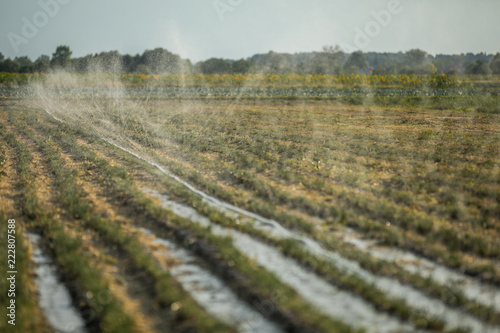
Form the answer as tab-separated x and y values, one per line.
297	207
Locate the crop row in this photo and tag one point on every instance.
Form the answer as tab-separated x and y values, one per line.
349	282
256	157
258	278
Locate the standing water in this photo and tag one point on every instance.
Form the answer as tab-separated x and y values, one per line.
331	301
209	291
54	299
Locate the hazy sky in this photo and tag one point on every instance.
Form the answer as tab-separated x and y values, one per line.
200	29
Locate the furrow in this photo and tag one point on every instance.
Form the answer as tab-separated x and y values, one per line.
132	258
450	317
211	291
328	299
419	300
483	293
29	316
251	247
207	289
276	313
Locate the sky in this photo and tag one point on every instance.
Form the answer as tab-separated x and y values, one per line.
234	29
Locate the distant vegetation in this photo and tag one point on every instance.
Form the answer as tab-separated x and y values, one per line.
433	81
329	61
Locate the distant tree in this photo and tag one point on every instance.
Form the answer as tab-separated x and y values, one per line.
1	57
130	62
318	68
273	62
279	62
186	66
385	69
449	64
10	66
495	64
42	64
328	61
27	69
334	54
108	62
26	64
478	67
415	57
241	66
161	61
24	61
301	68
379	70
215	65
104	62
82	65
61	59
331	49
355	62
142	69
427	68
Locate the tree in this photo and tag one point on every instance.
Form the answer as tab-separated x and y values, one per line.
61	58
82	65
328	61
355	62
128	63
142	69
161	61
186	66
10	66
215	66
495	64
427	68
108	62
278	62
273	62
449	64
415	57
478	67
1	57
241	66
24	61
42	64
26	64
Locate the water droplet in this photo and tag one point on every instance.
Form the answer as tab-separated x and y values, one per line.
175	306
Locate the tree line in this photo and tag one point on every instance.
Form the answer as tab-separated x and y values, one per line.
330	60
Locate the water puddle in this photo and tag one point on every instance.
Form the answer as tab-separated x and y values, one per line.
328	299
209	291
280	266
480	292
54	300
